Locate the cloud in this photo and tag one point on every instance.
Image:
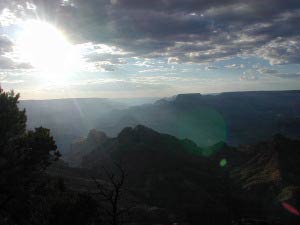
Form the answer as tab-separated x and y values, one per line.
173	60
193	31
101	57
267	71
156	80
281	51
8	64
6	45
235	66
288	75
249	75
211	68
276	73
7	17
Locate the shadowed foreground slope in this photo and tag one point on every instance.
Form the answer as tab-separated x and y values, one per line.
255	181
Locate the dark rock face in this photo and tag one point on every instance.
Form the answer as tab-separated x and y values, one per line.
85	146
163	171
252	181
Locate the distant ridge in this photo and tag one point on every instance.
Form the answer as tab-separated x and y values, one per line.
207	119
197	95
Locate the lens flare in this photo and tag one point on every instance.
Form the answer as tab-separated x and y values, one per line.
290	208
204	125
223	162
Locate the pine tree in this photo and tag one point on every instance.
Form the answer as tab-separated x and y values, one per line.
24	156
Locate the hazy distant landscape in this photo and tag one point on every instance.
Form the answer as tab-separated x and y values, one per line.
71	119
233	118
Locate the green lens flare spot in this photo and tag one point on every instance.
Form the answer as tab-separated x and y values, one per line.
203	125
223	162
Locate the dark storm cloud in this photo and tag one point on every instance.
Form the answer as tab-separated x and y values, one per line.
287	25
189	30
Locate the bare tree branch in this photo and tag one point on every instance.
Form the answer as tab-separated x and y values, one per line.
113	193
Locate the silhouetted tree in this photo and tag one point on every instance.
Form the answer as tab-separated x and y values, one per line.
24	156
113	195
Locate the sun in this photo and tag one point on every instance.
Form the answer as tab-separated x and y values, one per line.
46	48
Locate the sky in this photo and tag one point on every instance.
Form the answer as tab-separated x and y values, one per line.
141	48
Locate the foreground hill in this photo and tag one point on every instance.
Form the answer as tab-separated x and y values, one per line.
164	172
255	181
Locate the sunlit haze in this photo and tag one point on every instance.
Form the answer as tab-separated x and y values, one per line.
46	48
